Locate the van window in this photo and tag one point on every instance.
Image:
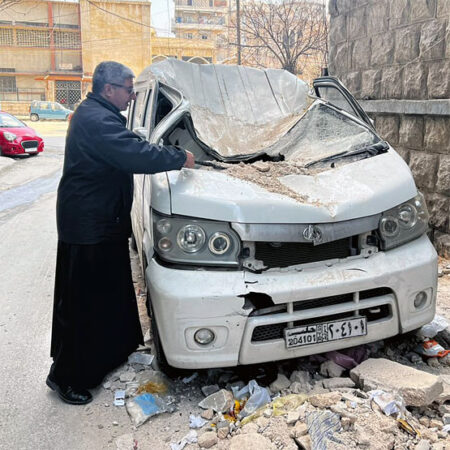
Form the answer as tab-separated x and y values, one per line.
163	107
43	105
138	110
334	96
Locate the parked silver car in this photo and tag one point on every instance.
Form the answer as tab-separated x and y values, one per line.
300	231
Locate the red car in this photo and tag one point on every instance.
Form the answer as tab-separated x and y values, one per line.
16	138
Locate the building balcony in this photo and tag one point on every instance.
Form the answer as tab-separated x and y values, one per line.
199	26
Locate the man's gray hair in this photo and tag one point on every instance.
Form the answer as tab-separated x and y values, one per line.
109	72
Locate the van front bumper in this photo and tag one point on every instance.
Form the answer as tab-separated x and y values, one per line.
187	300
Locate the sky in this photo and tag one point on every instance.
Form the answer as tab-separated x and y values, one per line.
160	15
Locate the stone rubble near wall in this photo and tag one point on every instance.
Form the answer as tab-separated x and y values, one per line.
400	49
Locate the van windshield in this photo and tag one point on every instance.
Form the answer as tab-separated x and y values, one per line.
8	121
322	132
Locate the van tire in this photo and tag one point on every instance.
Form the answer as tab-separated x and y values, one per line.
160	356
34	117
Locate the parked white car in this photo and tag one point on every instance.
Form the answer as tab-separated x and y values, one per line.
300	231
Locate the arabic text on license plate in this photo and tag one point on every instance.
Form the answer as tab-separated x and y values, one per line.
325	332
31	149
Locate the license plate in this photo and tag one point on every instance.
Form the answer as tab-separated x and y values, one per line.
31	150
325	332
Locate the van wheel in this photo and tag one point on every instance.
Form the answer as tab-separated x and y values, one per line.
34	117
160	356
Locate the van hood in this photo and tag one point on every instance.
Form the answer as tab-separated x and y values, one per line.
358	189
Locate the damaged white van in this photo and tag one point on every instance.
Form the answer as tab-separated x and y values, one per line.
300	230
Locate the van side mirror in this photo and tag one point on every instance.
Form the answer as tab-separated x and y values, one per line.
141	132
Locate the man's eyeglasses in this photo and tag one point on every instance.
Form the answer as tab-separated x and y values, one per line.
129	89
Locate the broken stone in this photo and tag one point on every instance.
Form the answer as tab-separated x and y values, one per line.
304	442
423	444
435	423
251	441
117	385
220	401
299	388
222	433
445	395
107	385
140	358
262	422
417	388
127	376
280	383
208	439
337	383
267	412
292	417
299	429
210	389
425	421
300	376
331	369
446	419
261	166
325	400
208	414
429	435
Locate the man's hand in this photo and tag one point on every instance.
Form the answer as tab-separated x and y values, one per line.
190	161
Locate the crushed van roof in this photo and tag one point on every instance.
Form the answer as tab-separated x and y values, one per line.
236	110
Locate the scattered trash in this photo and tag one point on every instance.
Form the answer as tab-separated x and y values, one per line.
259	396
432	349
390	404
187	380
321	427
141	358
144	406
119	398
196	421
153	383
405	425
190	438
438	324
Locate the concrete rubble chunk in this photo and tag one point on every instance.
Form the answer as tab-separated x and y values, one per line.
417	388
207	440
222	433
127	376
210	389
282	382
304	442
423	444
445	394
446	419
337	383
300	376
299	429
251	441
331	369
140	358
325	400
292	417
220	401
208	414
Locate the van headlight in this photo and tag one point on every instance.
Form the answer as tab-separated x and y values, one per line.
186	240
403	223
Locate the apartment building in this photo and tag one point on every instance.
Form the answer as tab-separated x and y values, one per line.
203	20
49	49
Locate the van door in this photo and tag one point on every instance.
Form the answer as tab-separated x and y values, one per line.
136	122
334	92
44	110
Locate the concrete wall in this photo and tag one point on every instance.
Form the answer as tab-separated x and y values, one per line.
395	55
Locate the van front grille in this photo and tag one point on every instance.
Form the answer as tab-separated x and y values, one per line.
287	254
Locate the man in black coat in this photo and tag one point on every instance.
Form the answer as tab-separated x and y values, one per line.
95	317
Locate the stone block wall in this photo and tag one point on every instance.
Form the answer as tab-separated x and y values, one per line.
399	50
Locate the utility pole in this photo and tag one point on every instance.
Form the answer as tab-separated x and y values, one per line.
238	31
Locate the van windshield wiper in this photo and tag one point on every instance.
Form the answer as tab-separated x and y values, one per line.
370	150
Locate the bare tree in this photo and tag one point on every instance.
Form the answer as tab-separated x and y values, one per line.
5	4
284	31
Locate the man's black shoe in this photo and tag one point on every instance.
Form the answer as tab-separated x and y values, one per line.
69	394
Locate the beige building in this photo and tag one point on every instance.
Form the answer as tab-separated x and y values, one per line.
203	20
49	49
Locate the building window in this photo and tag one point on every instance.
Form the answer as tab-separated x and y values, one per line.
33	38
204	36
65	39
6	36
211	3
7	84
189	2
188	35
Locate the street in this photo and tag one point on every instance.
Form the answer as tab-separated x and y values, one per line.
31	416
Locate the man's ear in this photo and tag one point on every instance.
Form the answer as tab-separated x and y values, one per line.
107	90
